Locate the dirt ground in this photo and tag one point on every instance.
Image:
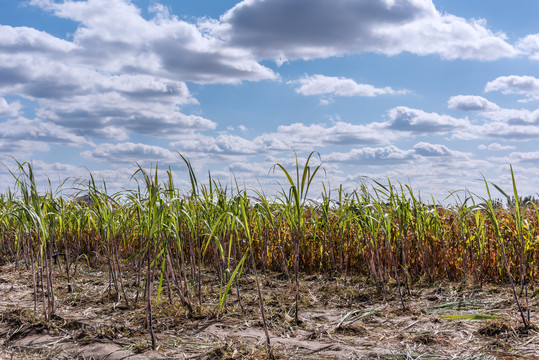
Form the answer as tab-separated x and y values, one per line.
352	321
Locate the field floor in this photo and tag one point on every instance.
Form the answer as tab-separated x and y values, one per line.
441	321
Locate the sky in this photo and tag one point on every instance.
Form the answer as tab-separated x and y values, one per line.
435	94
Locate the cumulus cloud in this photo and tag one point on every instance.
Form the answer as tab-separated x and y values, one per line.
148	88
260	170
496	147
419	122
505	131
471	103
9	109
21	149
497	122
381	156
121	73
88	100
223	144
37	130
515	116
527	159
114	34
297	136
339	133
491	111
45	171
530	45
129	153
112	115
37	76
524	157
322	85
503	124
29	40
435	150
392	155
514	84
307	29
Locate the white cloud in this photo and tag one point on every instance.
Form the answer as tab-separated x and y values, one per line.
40	131
530	45
253	170
436	150
496	147
523	157
309	29
325	101
321	85
129	153
515	116
339	133
498	123
419	122
21	149
449	36
493	112
9	110
57	171
392	155
505	131
223	144
121	74
514	84
114	36
29	40
381	156
297	136
113	115
471	103
37	75
88	100
148	88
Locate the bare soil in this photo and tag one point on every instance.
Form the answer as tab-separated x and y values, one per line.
338	321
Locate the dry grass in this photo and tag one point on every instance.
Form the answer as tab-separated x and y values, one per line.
337	322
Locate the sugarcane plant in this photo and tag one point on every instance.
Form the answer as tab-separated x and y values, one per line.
170	238
491	211
294	205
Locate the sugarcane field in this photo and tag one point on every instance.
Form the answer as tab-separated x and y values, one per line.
269	180
164	273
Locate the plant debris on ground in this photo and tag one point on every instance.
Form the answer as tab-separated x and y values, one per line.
441	321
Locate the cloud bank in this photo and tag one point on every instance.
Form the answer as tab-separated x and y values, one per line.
308	29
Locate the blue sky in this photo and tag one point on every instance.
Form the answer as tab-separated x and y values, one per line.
428	93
